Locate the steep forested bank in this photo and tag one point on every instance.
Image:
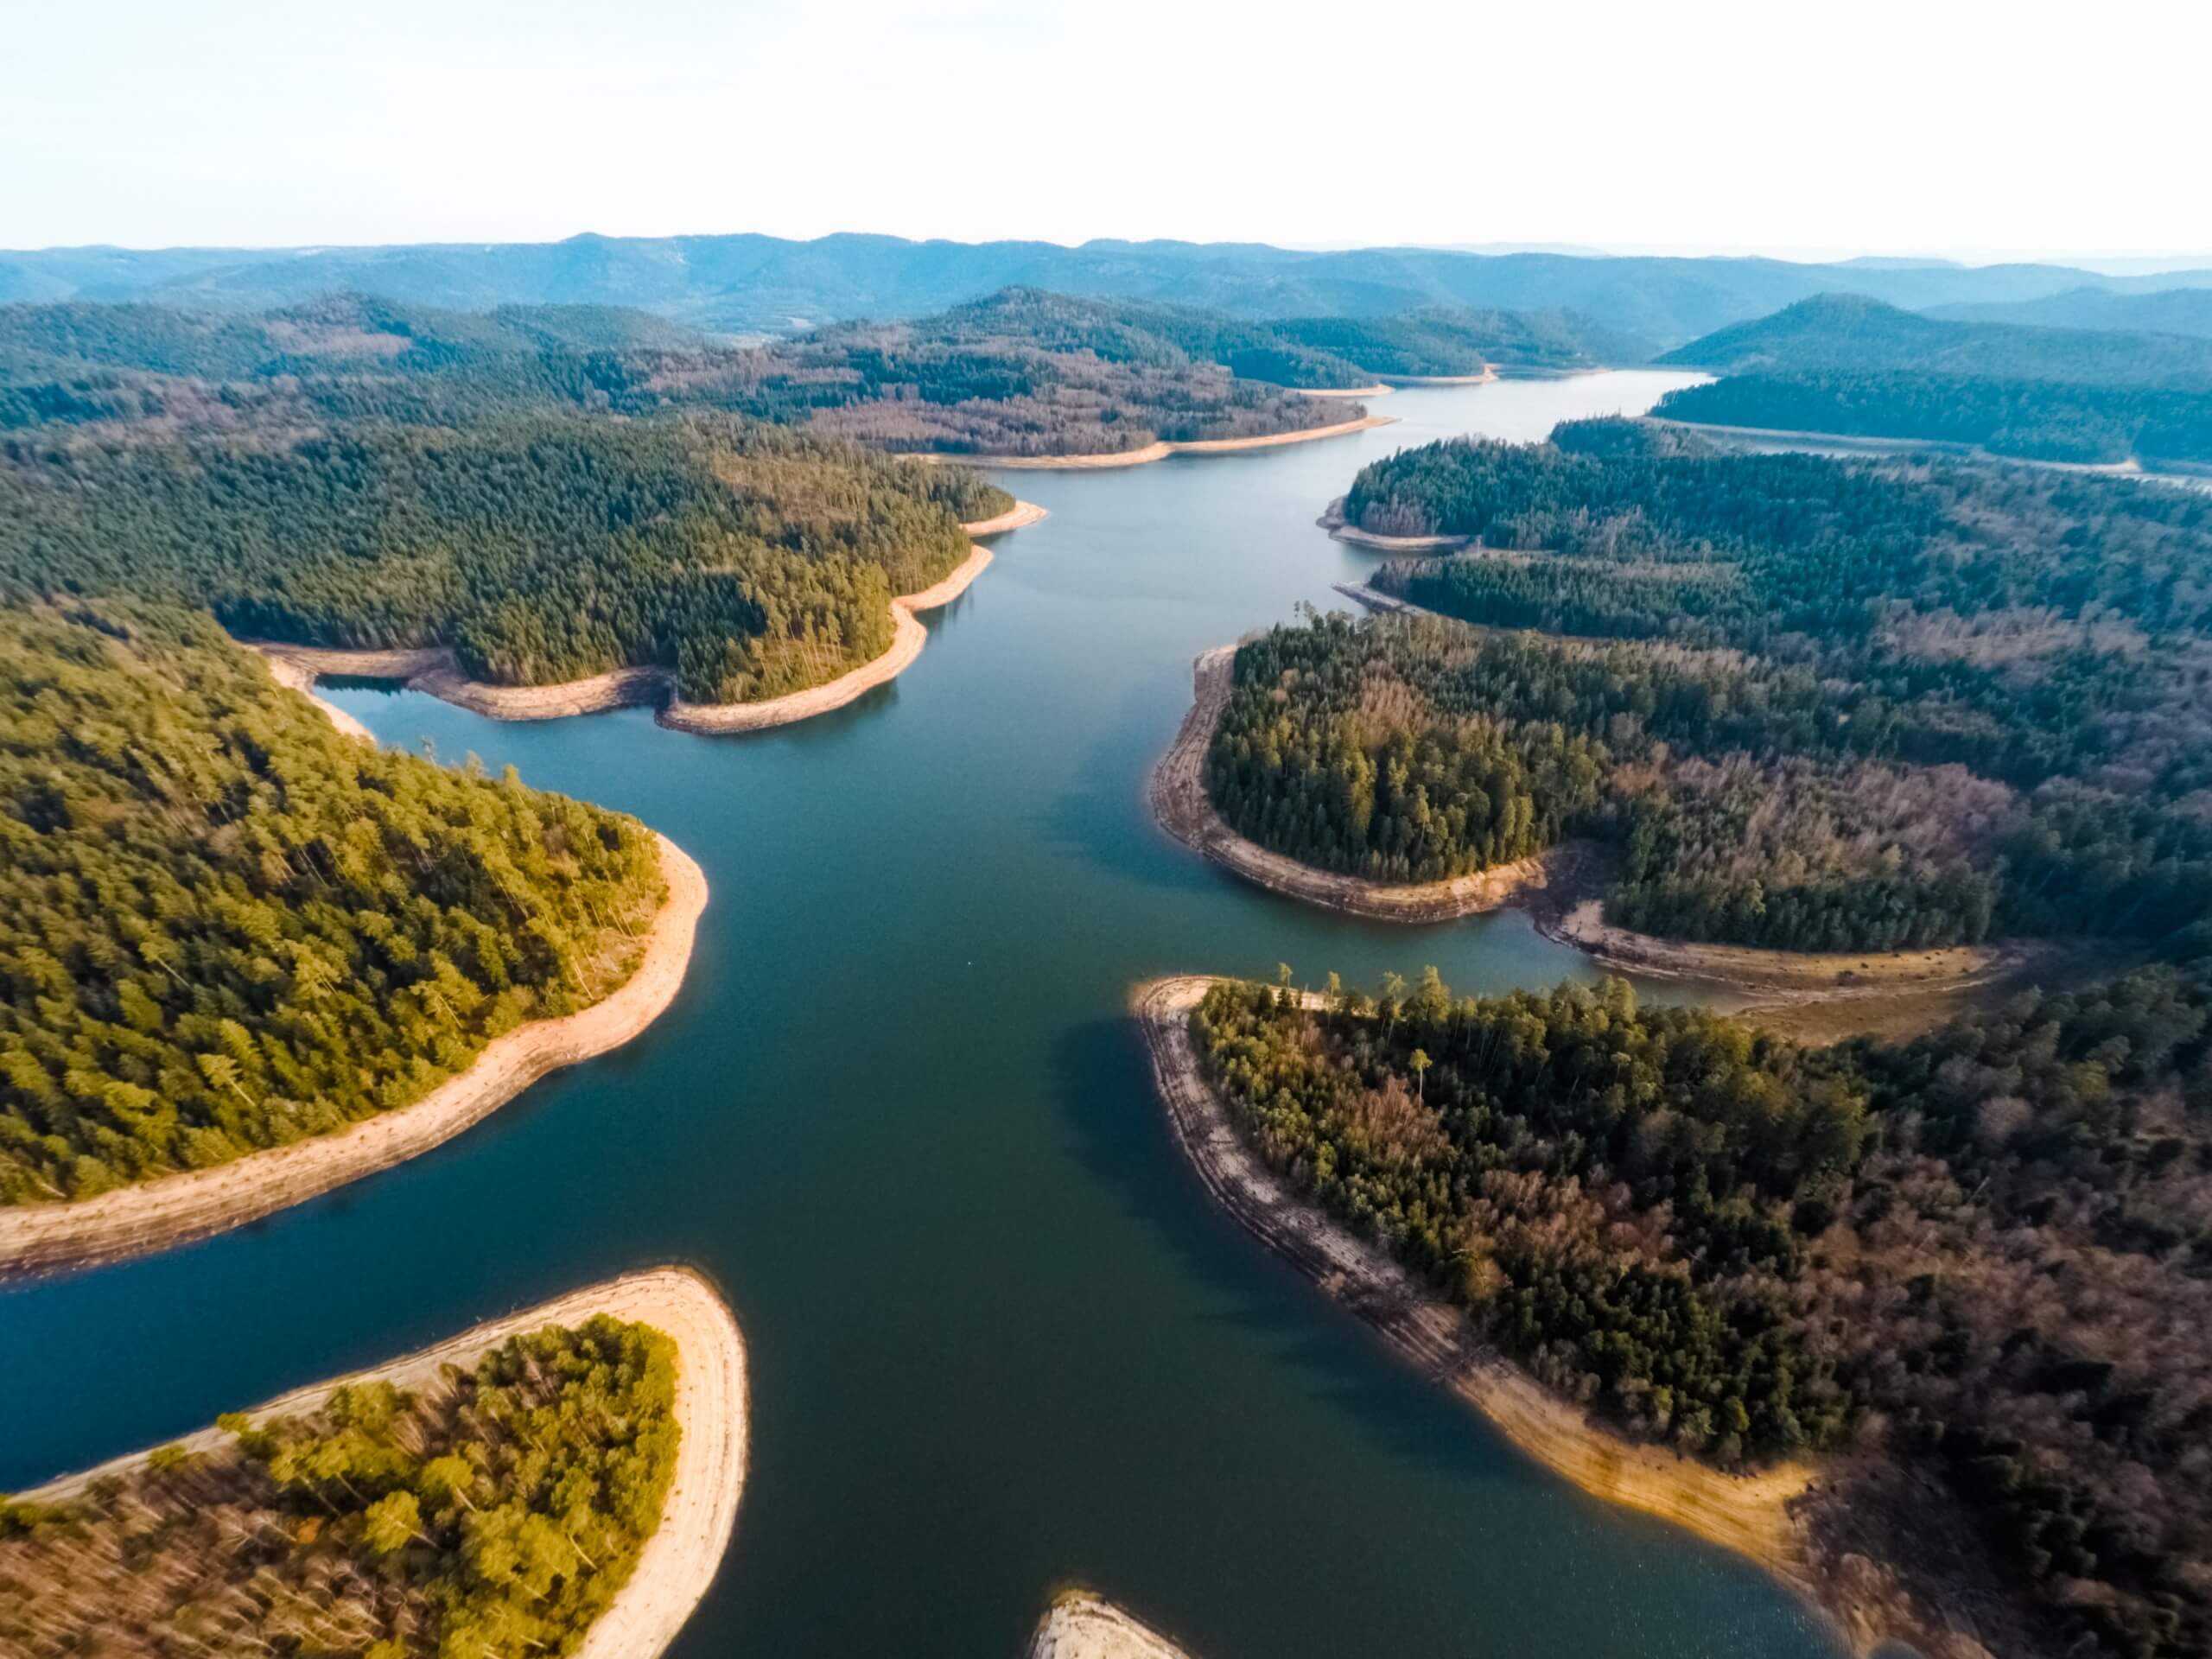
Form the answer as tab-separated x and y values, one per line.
1853	366
541	546
2034	420
1979	1249
1815	705
490	1510
227	927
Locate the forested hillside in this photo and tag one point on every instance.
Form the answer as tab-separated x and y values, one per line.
1986	1249
224	926
494	1514
1023	374
540	546
2032	420
1839	333
1852	366
1814	705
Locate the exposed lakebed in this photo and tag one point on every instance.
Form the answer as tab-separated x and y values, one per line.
999	1335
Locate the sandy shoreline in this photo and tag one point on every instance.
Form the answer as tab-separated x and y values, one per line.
679	1561
1177	792
1779	1518
176	1209
1341	529
1019	516
1488	374
1378	390
1750	1515
1557	886
1080	1625
1159	450
433	671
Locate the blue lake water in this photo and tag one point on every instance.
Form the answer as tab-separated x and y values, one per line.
1000	1340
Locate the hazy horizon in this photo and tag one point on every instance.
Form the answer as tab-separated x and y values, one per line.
231	122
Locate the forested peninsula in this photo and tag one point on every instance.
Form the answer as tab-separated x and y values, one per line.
1951	1274
561	1481
1808	704
245	956
1855	367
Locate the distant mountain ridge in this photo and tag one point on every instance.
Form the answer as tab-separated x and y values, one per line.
1849	333
2170	311
745	284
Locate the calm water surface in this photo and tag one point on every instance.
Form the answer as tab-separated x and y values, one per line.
999	1338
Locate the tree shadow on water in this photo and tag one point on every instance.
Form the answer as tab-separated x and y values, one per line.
1120	1134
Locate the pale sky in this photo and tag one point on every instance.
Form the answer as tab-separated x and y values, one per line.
1938	126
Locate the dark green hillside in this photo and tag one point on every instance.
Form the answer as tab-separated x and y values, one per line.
1838	333
224	926
541	548
2031	420
1810	704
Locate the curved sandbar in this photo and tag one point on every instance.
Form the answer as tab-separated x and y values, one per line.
434	670
1488	374
1177	791
1019	516
1161	449
1750	1515
1341	529
679	1561
172	1210
1079	1625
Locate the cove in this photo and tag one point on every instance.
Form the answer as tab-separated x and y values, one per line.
998	1337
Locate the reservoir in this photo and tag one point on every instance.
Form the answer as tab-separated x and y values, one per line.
999	1339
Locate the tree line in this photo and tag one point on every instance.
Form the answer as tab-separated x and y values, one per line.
496	1512
541	546
1986	1246
227	926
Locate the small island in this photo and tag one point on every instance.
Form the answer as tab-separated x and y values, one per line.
1080	1625
564	1480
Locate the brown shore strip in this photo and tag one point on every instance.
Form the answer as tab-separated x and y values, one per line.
1341	529
678	1562
434	671
1081	1626
176	1209
1160	449
1766	1517
1826	995
1378	390
1488	374
1177	791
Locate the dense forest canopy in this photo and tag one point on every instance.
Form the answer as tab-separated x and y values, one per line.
224	926
1815	704
1850	365
540	546
1023	374
1988	1247
493	1514
2031	420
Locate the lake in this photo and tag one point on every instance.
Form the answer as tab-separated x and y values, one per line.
1000	1338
